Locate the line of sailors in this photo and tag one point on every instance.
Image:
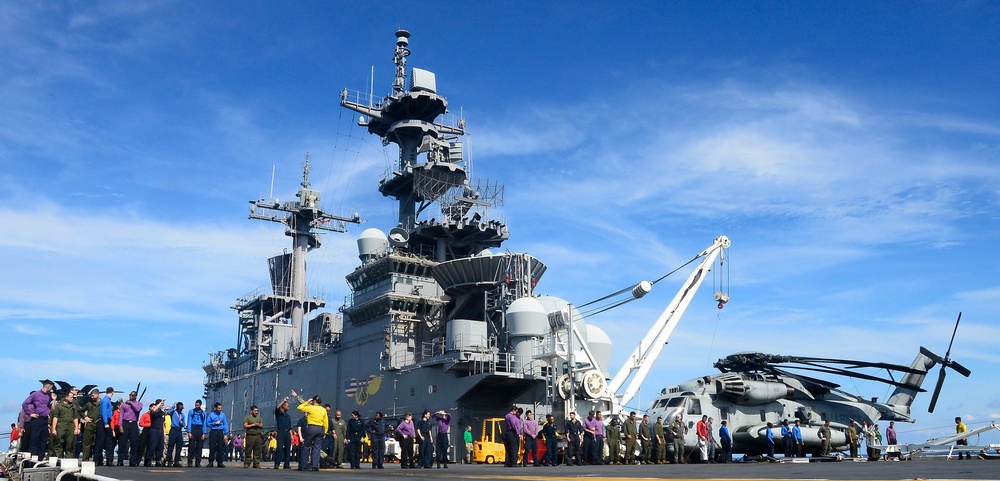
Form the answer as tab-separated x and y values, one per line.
587	438
49	427
316	425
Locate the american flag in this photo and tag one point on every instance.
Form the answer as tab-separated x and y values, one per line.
351	387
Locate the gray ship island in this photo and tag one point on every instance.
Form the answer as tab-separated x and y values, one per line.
436	319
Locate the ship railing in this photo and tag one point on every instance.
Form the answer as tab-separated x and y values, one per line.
218	377
462	342
501	363
377	102
248	297
470	342
362	98
434	348
551	347
402	359
245	300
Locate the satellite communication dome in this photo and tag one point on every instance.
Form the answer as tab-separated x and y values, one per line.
371	243
526	317
600	345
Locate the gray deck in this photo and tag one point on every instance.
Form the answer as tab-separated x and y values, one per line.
917	469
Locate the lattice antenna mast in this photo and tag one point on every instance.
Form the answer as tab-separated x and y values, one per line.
402	40
407	118
303	219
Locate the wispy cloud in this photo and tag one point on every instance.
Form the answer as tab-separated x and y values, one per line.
99	351
29	330
75	371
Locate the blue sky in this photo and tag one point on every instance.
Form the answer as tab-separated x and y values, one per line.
850	150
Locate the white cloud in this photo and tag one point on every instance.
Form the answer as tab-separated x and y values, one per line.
98	351
69	369
117	258
29	330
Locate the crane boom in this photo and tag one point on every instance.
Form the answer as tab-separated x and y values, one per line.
648	349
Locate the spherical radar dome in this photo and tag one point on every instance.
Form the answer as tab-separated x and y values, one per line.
372	242
527	317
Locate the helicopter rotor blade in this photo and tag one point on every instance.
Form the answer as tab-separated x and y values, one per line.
960	368
947	353
856	375
934	357
937	390
807	379
852	364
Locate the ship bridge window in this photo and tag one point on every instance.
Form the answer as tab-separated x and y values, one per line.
694	407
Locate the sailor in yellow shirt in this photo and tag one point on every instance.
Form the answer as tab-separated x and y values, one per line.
317	424
272	444
959	429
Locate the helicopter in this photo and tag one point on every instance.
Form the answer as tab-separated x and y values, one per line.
64	388
754	389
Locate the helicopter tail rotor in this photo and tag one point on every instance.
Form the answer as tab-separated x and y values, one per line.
937	390
945	362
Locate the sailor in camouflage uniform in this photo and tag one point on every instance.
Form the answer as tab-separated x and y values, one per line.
678	430
659	448
614	441
91	414
644	435
631	437
65	427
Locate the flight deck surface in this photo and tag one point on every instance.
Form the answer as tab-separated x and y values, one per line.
917	469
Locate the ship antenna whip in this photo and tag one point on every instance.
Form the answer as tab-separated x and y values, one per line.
270	194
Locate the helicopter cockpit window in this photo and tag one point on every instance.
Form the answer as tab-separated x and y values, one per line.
694	407
675	402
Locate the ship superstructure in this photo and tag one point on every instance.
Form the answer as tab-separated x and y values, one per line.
436	318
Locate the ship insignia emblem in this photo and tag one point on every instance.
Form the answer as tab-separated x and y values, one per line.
360	390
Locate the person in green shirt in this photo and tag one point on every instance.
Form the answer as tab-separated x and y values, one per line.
254	424
467	437
91	413
631	437
338	426
614	440
65	418
659	446
852	438
644	434
677	432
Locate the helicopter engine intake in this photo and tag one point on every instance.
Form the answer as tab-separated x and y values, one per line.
751	393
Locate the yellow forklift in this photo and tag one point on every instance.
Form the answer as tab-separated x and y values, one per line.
489	449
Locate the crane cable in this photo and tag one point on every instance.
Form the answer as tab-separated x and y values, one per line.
606	307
